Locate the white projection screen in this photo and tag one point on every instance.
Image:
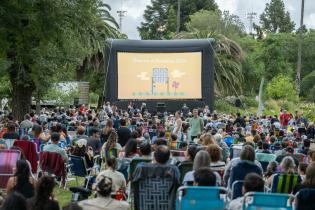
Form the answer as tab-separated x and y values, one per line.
166	75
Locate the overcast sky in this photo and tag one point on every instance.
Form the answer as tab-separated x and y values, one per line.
135	10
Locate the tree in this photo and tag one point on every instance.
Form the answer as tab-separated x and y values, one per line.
275	19
279	55
41	38
228	54
282	88
253	66
160	17
308	83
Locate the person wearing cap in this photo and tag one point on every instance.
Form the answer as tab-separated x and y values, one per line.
289	151
103	200
82	150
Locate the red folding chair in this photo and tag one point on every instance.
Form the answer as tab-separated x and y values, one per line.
52	163
30	152
8	160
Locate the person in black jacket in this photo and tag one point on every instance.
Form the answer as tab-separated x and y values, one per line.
245	166
239	121
123	133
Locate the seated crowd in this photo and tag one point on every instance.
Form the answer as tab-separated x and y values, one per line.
135	160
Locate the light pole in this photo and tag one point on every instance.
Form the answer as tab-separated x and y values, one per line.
299	63
178	17
251	17
121	14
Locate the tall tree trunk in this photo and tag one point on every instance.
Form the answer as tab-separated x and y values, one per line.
178	17
100	101
21	100
37	99
22	90
260	100
81	70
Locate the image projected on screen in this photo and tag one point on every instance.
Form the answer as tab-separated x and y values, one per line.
159	75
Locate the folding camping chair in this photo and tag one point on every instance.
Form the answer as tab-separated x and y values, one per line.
8	160
267	201
200	198
78	168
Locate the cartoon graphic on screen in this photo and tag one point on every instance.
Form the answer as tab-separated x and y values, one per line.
159	76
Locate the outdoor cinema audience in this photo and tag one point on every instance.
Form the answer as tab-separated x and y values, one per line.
134	158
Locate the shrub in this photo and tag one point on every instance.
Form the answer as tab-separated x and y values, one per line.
307	83
282	88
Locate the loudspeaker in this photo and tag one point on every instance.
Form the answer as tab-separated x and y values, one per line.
76	102
238	102
160	107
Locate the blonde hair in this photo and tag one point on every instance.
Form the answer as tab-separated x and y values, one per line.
287	164
207	139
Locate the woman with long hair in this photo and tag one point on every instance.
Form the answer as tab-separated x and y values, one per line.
206	139
22	181
131	149
287	166
111	148
43	199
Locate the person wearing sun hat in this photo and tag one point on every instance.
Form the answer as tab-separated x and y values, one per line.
103	200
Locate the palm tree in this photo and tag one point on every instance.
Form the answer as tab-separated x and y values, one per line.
228	76
228	54
95	38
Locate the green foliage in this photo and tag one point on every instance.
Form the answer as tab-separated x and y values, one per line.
60	97
311	94
275	19
5	87
281	88
208	23
160	17
93	98
308	83
279	55
44	40
223	106
228	54
249	102
253	67
308	110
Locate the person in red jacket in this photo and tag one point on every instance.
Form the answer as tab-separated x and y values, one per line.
285	118
82	108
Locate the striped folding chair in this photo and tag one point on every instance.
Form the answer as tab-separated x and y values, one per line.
284	183
8	160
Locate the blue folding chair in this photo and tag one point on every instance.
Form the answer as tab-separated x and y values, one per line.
200	198
237	189
229	140
78	168
266	201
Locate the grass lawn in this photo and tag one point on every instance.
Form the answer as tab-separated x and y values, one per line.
63	196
